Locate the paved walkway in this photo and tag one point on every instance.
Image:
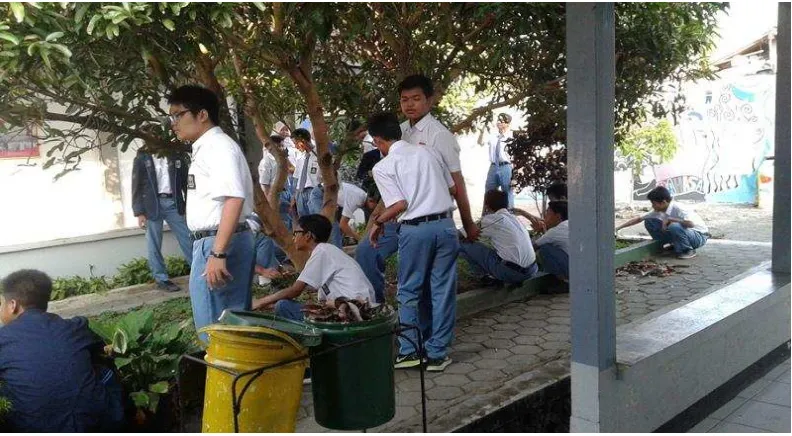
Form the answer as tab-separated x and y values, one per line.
760	408
502	352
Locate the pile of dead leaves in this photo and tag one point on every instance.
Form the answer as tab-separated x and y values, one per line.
645	268
345	310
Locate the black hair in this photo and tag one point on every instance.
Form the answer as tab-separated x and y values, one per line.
30	287
370	186
197	98
496	200
659	194
384	125
417	81
277	139
302	134
353	125
557	191
505	117
559	207
317	225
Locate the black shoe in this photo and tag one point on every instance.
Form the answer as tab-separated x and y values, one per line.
490	281
437	365
168	286
409	361
307	376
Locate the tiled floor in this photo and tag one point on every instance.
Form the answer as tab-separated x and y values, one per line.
762	407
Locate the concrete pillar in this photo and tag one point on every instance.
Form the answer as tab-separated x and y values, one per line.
781	186
591	71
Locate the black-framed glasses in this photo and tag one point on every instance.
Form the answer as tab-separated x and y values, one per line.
174	118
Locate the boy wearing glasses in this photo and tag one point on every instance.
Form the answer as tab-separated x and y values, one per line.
330	271
219	197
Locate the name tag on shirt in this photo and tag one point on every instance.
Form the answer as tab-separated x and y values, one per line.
313	170
190	181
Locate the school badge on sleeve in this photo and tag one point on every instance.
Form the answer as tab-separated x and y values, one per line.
190	181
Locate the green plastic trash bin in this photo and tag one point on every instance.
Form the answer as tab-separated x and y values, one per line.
306	335
353	387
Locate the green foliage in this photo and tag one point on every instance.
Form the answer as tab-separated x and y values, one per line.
146	355
66	287
177	266
5	406
647	145
134	272
620	243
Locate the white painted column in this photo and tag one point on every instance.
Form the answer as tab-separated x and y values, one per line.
781	182
591	69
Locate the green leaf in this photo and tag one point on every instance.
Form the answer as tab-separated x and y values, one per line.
63	49
103	329
141	399
159	388
153	401
82	8
92	24
53	36
120	341
169	24
19	11
121	362
13	39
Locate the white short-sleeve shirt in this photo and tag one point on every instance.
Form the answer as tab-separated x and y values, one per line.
368	144
351	198
493	147
558	236
334	274
218	171
676	210
414	174
511	239
267	169
291	149
163	176
432	133
313	177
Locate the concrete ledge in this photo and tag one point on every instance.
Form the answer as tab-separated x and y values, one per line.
670	360
479	300
636	252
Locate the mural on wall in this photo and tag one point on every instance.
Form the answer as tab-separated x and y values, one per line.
724	137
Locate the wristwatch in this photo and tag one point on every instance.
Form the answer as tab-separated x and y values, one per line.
218	255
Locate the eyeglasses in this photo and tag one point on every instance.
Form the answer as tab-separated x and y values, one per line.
174	118
297	232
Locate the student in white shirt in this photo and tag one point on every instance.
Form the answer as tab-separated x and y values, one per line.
329	271
672	224
282	130
350	199
499	174
552	248
219	197
417	189
416	97
307	174
512	259
268	172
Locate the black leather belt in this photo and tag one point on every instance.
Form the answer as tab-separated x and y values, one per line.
200	234
516	267
500	164
161	195
425	219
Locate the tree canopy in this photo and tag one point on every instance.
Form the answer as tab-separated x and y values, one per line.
81	68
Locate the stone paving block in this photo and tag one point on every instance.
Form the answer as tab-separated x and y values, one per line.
534	315
534	323
485	375
463	356
459	367
557	328
555	345
557	337
500	353
444	393
499	344
558	320
414	384
534	309
453	379
482	321
532	331
523	359
556	312
526	349
507	325
477	386
528	340
472	338
506	319
491	364
408	399
503	334
477	329
549	354
471	347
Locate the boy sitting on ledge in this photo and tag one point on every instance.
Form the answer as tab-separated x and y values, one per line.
672	224
329	270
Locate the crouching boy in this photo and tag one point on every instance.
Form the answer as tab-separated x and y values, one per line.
48	365
330	271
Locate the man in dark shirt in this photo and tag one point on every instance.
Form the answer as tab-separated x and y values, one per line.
46	366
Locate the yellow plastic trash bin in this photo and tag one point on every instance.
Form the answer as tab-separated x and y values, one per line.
272	400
